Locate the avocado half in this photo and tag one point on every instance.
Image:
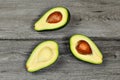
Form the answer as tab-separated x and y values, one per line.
54	18
83	48
45	54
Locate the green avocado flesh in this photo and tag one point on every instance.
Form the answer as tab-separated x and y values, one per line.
95	57
54	18
45	54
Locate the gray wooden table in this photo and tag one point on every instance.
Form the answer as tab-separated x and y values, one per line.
98	19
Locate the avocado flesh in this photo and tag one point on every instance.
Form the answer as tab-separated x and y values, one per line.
42	23
96	56
45	54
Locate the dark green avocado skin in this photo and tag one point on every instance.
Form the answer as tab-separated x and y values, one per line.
69	16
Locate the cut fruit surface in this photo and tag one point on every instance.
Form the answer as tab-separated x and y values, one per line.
85	50
54	18
45	54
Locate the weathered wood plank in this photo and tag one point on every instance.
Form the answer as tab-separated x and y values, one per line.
13	55
99	19
95	18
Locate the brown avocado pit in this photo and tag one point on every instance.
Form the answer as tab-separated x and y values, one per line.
83	47
54	17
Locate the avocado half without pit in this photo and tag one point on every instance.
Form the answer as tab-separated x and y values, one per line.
85	49
54	18
44	55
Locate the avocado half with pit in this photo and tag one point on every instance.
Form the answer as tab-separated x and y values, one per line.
45	54
85	49
54	18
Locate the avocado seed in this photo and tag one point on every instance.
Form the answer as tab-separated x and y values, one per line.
55	17
83	47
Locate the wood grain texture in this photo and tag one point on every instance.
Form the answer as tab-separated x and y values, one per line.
95	18
98	19
13	55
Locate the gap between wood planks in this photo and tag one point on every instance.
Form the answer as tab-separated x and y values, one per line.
65	39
